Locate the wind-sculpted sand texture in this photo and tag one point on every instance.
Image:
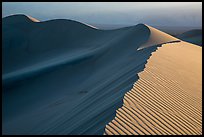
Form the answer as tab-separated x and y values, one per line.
65	77
167	98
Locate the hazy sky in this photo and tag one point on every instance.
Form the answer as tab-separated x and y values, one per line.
130	13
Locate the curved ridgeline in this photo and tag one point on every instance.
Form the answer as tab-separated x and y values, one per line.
64	77
167	98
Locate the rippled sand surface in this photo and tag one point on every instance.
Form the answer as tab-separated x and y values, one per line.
167	98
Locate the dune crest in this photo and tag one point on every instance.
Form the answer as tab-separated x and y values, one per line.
167	98
33	19
157	37
18	18
52	65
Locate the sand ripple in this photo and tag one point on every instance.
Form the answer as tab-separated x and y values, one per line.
167	98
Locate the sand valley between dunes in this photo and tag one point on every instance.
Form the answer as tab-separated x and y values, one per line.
167	98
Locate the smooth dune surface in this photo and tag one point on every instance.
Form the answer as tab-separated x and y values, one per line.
157	36
65	77
193	36
167	98
33	19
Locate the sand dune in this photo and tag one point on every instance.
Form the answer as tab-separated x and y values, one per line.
192	36
65	77
33	19
167	98
157	37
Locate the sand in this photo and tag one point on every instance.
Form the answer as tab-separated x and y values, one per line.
167	98
65	77
33	19
193	36
157	37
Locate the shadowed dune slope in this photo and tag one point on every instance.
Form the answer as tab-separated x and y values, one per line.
64	77
167	98
192	36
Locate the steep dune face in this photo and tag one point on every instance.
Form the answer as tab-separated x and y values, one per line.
158	37
64	77
167	99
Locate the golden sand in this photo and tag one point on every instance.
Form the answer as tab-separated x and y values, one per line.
157	37
33	19
167	98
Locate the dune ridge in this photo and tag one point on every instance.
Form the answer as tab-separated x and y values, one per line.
193	36
52	65
157	36
167	98
32	47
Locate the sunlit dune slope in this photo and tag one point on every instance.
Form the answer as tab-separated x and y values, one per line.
157	37
33	19
167	98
